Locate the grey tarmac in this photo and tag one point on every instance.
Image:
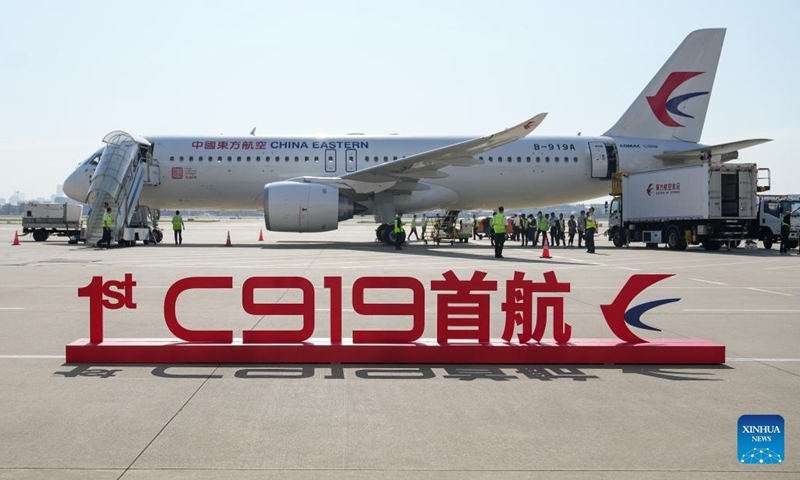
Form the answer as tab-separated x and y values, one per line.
369	421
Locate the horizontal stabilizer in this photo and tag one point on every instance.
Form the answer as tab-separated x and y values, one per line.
705	153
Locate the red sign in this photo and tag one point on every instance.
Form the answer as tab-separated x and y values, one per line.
463	312
177	173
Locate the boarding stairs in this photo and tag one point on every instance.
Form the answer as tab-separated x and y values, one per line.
125	167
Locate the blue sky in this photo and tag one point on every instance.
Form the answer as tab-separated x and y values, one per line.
74	71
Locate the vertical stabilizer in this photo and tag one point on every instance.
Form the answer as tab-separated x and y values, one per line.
674	103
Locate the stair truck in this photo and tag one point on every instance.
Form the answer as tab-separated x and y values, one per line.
45	219
771	209
704	204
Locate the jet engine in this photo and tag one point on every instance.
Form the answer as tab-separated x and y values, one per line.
305	207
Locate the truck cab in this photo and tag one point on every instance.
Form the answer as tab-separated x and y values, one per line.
771	210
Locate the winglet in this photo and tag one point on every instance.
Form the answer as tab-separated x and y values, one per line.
501	138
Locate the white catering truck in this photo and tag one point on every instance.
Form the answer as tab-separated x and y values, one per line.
708	204
45	219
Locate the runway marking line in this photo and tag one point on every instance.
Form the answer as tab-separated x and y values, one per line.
770	291
708	281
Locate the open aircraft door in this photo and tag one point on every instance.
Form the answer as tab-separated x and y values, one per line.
599	160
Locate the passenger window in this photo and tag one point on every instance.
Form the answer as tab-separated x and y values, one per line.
296	159
538	159
230	159
238	159
519	159
490	159
191	159
306	159
556	159
258	159
286	159
199	159
528	159
181	159
350	158
171	159
385	159
547	159
395	158
508	159
575	159
219	159
316	159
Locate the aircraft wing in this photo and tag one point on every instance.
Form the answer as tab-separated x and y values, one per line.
705	153
407	171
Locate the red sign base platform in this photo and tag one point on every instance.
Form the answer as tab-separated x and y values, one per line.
424	351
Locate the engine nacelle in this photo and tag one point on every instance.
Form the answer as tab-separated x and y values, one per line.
304	207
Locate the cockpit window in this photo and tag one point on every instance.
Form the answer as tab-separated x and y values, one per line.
94	159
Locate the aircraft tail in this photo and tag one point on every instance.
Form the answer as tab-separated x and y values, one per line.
674	103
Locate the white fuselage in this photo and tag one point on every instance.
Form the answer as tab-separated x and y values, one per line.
230	172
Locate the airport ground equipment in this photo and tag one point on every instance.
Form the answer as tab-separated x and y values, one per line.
451	229
124	167
771	210
706	204
45	219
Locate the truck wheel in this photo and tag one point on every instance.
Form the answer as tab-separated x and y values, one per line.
712	245
616	237
158	236
767	241
792	244
674	239
40	235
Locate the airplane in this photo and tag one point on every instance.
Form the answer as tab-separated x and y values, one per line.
311	183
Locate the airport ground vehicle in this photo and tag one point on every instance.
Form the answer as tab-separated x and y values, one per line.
451	229
45	219
708	204
771	209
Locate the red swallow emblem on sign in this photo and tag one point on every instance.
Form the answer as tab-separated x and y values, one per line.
529	125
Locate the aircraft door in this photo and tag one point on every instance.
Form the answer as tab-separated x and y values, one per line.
351	161
330	160
599	160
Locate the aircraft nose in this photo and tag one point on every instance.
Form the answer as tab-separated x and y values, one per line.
76	186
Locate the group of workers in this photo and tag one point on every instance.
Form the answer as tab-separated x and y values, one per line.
529	229
519	227
108	221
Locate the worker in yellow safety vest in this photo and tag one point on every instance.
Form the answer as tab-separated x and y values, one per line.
423	226
499	226
399	233
178	227
108	220
591	226
541	228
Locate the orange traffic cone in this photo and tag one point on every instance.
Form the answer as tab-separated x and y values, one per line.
16	238
228	241
546	249
261	235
